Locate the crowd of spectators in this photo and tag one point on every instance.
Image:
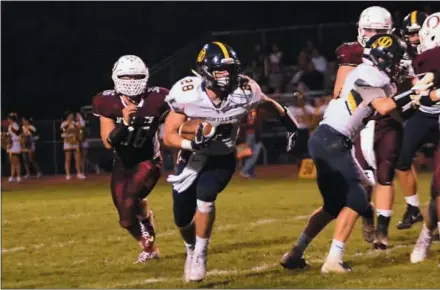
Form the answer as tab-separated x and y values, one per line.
311	72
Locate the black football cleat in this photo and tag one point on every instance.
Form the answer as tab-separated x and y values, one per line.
412	215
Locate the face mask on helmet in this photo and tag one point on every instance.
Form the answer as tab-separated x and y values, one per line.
130	76
223	79
373	20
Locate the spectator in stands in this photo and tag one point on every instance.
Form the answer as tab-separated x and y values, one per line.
275	81
330	77
316	111
311	80
253	143
275	58
259	64
319	61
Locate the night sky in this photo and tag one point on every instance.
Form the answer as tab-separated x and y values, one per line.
57	55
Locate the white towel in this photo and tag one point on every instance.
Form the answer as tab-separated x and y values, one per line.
185	179
367	144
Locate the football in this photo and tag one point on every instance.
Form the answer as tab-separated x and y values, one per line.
189	128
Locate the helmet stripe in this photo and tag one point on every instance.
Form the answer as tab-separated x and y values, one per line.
413	17
223	48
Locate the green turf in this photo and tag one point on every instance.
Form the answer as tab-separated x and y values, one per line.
65	236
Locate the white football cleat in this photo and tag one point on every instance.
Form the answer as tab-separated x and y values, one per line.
334	266
421	249
18	179
68	177
188	264
11	179
146	256
198	267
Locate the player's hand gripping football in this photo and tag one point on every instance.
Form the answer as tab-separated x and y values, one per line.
201	140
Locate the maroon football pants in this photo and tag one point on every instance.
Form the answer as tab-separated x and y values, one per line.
129	186
388	135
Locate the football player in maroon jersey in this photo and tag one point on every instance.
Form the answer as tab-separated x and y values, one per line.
129	118
386	133
429	62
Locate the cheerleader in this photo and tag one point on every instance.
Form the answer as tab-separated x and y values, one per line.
70	132
85	145
14	148
28	137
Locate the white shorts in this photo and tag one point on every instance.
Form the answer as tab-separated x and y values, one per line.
68	146
15	148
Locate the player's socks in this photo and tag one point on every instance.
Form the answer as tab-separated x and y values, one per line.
201	245
368	230
413	200
302	244
336	251
383	222
188	234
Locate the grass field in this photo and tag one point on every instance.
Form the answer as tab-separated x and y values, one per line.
59	234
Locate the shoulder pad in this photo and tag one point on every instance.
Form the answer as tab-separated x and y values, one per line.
184	90
99	107
372	77
108	93
350	54
158	90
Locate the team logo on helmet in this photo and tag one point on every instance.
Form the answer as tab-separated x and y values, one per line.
384	41
433	22
201	55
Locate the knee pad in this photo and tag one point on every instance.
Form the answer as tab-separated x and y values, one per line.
205	206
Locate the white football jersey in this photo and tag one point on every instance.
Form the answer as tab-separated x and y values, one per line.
188	96
349	113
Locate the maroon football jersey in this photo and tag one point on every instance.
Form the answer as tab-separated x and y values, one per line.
429	61
141	143
350	53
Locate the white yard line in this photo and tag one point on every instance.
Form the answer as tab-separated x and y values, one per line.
257	269
222	228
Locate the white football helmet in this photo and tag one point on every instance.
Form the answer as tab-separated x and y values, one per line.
430	33
374	17
130	65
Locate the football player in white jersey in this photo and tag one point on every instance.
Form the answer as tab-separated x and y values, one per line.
221	97
367	90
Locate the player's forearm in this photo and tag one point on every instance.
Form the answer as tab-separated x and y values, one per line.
384	105
107	126
277	106
173	140
288	120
